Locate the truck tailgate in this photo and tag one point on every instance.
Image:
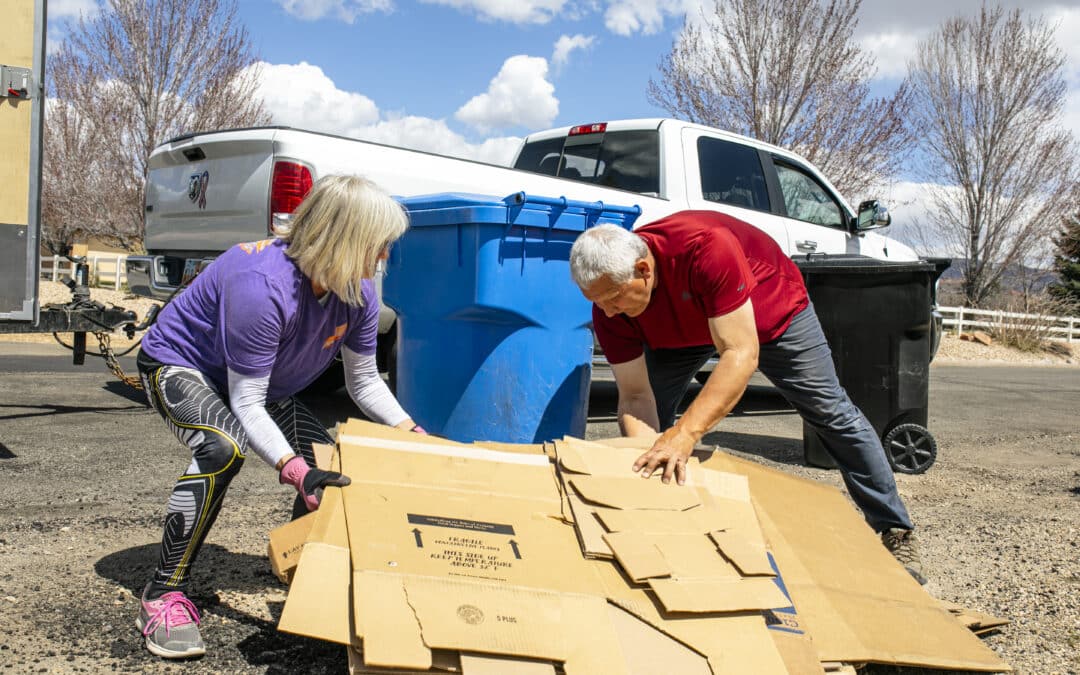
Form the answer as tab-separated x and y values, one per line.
204	194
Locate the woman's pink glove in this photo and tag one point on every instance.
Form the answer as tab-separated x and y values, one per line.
310	482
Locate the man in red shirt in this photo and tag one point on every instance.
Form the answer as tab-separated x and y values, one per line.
673	293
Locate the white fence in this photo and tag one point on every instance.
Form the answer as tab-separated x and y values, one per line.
1064	328
105	270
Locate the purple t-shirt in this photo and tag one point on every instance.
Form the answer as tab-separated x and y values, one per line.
253	311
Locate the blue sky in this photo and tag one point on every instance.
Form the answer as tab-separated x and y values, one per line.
471	77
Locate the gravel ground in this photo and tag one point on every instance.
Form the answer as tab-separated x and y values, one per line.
998	514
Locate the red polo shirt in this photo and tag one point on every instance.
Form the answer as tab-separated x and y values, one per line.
707	265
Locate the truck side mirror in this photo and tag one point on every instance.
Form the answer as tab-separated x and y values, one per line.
873	215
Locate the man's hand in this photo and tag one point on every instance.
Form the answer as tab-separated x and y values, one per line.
310	482
673	450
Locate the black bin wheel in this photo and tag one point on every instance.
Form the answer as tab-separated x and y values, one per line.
910	448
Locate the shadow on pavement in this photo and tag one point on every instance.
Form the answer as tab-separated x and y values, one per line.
6	453
223	570
41	410
775	448
282	652
126	391
219	569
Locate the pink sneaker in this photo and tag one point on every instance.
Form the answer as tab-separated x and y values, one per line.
170	625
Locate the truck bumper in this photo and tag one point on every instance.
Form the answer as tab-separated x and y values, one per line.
148	276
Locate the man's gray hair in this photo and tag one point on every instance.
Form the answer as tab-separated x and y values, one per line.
605	250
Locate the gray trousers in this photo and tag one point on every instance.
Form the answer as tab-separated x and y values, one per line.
799	364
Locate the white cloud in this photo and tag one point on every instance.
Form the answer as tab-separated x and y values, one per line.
430	135
303	96
63	14
907	202
520	95
892	50
72	9
626	17
567	44
514	11
345	10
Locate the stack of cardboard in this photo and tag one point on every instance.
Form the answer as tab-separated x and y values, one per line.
479	559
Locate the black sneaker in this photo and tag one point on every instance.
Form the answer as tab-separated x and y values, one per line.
170	625
905	548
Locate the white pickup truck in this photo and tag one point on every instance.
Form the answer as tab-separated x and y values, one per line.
208	191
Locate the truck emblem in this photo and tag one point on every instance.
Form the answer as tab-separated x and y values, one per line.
196	188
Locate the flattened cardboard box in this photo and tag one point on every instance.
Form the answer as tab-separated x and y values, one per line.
469	551
326	579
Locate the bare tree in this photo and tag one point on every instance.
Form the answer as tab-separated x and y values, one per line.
988	96
790	73
121	83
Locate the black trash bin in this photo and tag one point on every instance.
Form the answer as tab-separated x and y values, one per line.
878	319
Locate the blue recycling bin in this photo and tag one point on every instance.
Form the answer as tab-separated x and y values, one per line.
494	338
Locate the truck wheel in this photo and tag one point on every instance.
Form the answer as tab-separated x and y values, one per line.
910	448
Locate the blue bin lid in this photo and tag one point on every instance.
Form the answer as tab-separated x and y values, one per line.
519	208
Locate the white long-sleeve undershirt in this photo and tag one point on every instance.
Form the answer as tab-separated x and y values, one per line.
368	390
247	399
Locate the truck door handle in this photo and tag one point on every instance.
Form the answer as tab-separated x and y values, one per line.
806	245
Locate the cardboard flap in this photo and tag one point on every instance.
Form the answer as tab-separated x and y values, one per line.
733	644
853	597
358	427
749	555
649	651
718	595
589	531
466	474
638	556
593	644
634	493
393	635
318	602
286	543
694	521
479	617
640	443
724	484
483	664
976	621
324	455
692	556
442	661
599	460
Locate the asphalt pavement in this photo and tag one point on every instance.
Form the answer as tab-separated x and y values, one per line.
86	468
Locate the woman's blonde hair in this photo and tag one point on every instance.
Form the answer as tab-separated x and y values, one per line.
338	232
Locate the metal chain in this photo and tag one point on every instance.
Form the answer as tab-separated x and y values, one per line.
105	340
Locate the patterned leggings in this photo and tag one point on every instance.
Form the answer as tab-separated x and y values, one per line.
199	416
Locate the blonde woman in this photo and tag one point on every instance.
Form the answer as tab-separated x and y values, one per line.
224	360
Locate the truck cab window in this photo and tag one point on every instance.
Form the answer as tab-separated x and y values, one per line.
540	156
731	174
806	199
626	160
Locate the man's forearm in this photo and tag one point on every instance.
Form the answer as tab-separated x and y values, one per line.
721	392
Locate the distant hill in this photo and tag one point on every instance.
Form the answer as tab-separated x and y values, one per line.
1014	279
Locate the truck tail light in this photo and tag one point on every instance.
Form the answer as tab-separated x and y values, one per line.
289	185
582	129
